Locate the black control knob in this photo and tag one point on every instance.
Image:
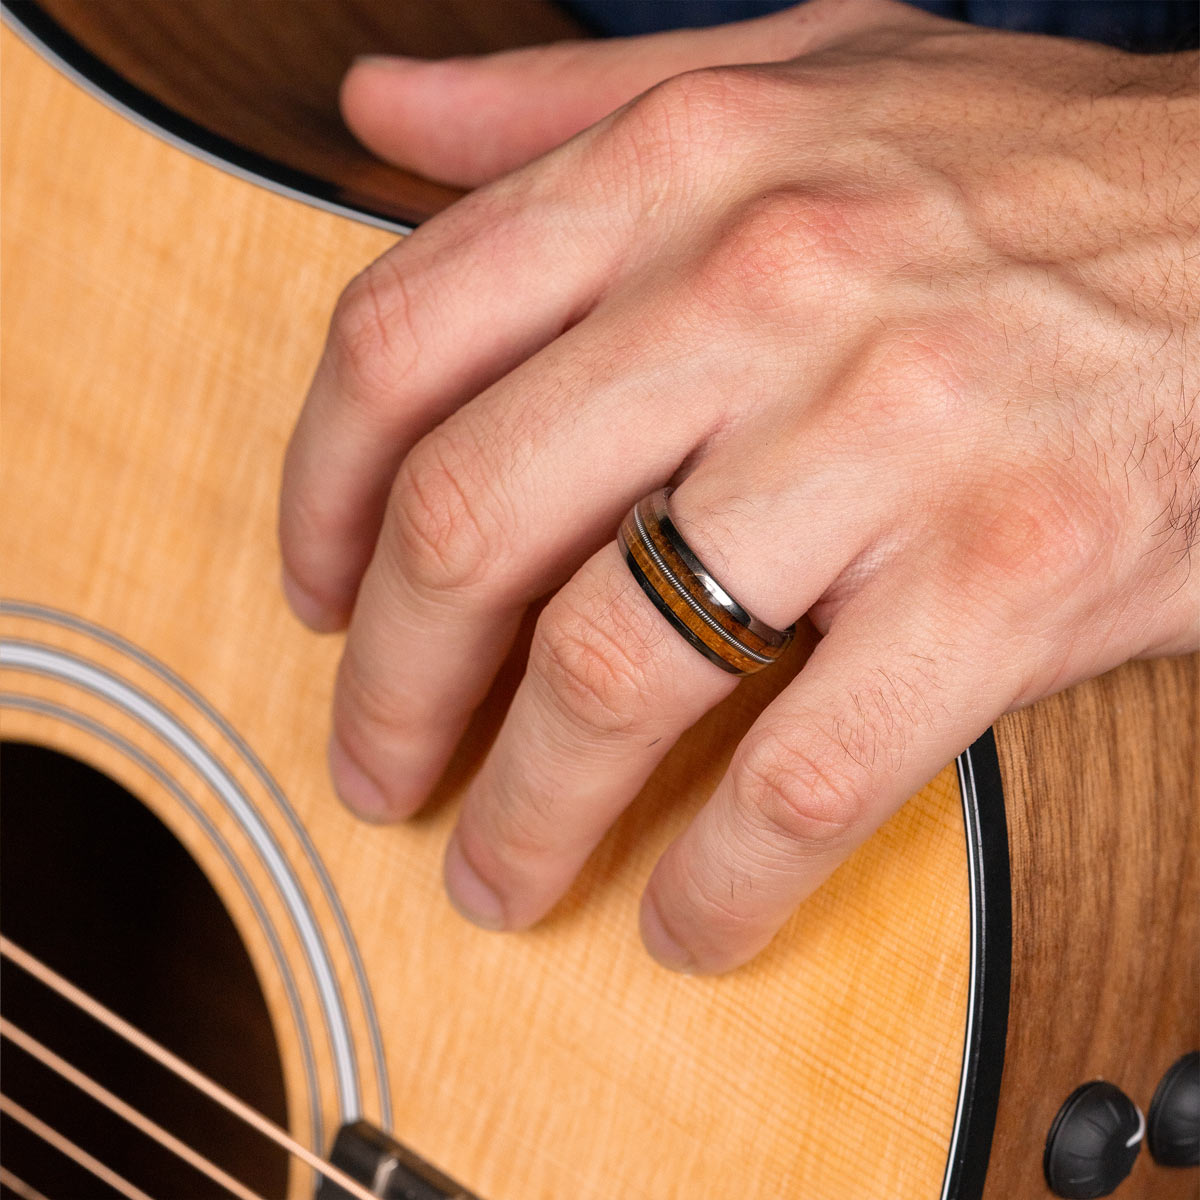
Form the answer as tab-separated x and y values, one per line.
1173	1124
1093	1142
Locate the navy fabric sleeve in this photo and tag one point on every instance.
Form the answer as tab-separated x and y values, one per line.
1147	26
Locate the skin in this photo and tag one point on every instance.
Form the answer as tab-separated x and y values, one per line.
908	313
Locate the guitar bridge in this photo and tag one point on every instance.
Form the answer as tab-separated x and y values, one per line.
386	1168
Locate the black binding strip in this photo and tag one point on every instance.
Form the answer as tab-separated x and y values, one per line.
991	968
42	32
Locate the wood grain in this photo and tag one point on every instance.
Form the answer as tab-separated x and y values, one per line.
1102	788
161	321
267	79
664	590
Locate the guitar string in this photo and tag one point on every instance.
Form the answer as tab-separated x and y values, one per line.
114	1103
201	1082
19	1187
68	1149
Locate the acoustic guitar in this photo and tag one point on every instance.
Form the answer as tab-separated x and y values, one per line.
216	982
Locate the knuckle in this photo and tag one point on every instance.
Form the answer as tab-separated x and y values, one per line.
1042	525
716	913
513	835
932	359
445	532
366	709
306	530
597	671
755	259
792	246
694	97
921	381
811	795
371	342
781	252
674	129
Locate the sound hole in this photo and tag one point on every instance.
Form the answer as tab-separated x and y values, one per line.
93	884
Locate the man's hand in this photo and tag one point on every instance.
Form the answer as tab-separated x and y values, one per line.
908	315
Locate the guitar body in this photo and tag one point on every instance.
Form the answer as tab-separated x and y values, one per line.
161	321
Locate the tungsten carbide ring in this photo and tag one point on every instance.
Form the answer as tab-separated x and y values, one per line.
684	591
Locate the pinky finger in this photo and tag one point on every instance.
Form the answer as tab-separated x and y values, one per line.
877	711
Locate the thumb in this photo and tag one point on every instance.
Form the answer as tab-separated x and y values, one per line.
465	121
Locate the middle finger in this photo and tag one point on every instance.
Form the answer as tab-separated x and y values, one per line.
493	508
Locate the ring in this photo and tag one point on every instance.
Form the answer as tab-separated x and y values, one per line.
685	592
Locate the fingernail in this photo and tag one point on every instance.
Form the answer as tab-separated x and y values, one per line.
468	893
308	611
356	790
663	948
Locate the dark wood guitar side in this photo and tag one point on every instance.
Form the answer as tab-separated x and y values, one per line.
1102	790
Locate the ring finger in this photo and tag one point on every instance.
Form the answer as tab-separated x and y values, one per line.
611	685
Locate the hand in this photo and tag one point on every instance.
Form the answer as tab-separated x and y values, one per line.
908	315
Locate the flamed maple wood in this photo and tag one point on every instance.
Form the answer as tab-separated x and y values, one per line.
160	322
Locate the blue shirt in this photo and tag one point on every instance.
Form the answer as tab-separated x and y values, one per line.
1146	26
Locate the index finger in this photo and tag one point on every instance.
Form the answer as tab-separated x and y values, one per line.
432	323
